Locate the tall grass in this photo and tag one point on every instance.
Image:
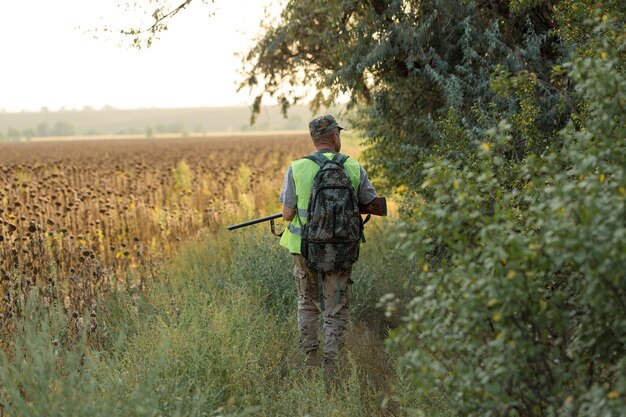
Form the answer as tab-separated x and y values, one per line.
215	334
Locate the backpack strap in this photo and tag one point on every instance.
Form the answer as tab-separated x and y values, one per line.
340	158
318	158
321	160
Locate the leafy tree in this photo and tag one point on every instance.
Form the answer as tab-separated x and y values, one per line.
405	64
63	129
523	313
29	133
151	18
43	129
13	134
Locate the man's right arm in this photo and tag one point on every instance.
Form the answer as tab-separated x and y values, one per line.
367	193
369	202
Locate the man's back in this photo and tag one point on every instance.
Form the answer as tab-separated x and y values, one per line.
332	233
323	289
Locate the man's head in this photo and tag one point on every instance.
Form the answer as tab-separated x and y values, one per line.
325	133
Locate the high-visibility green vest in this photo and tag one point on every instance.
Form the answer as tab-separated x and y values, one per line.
304	171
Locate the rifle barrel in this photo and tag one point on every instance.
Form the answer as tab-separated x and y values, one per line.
255	221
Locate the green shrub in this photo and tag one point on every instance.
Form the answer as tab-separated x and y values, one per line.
522	313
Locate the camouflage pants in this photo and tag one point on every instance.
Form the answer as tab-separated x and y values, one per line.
337	295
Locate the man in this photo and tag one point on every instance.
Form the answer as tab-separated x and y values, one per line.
337	285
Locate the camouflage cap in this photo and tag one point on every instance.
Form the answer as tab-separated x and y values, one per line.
322	125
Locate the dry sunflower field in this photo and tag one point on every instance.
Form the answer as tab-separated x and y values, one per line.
81	218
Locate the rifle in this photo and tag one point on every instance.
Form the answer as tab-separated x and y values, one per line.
260	220
377	207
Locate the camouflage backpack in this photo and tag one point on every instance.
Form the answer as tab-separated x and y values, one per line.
330	238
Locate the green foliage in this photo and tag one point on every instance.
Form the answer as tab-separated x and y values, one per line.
524	310
576	23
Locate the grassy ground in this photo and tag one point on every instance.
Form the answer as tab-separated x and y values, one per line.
215	334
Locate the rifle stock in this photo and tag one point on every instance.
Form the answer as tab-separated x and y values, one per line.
377	207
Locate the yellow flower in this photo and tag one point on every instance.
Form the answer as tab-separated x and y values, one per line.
425	268
613	395
603	55
497	316
485	146
511	274
602	178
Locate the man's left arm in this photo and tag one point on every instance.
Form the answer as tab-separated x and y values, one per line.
288	213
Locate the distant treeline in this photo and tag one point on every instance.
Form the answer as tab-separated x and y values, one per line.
66	129
42	130
148	122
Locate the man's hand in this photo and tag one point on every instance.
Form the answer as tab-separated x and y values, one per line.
288	213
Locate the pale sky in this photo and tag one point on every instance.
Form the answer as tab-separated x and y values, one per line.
46	59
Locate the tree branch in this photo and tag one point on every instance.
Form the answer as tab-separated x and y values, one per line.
158	25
